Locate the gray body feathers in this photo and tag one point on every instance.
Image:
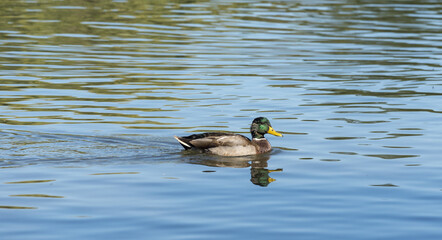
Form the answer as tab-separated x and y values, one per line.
225	144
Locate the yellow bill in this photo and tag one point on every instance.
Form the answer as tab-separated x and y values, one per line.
273	132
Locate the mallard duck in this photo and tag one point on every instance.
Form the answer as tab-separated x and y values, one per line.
230	144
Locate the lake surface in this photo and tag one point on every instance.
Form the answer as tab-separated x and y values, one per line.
92	93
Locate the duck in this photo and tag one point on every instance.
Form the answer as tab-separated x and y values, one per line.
231	144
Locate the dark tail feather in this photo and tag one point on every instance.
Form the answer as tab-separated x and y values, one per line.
183	142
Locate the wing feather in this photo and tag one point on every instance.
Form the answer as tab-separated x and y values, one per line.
211	140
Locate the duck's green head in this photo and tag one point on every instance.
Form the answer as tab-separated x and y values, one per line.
261	126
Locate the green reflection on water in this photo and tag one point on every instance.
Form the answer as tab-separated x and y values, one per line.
16	207
36	195
114	173
30	181
49	49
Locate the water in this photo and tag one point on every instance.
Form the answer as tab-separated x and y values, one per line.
93	92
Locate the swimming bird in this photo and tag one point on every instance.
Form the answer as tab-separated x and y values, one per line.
231	144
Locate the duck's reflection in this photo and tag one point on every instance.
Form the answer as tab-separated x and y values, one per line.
259	172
